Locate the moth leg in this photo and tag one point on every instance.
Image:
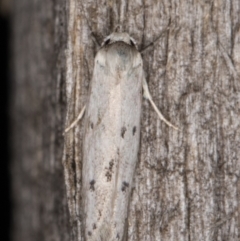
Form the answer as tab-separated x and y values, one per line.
76	121
148	96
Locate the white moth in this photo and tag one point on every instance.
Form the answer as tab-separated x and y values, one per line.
112	135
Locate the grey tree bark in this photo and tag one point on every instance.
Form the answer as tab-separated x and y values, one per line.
187	182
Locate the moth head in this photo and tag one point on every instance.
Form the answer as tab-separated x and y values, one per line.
117	37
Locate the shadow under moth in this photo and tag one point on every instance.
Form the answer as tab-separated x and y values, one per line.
112	136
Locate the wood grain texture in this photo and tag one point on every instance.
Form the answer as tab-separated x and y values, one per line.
187	182
37	109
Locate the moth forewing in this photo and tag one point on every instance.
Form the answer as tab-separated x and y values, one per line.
112	137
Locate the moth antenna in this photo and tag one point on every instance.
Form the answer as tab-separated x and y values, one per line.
93	36
147	47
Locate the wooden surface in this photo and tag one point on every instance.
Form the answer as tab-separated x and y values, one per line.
187	182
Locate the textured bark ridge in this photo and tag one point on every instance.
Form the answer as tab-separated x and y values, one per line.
187	181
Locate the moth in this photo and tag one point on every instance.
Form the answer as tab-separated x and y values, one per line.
112	136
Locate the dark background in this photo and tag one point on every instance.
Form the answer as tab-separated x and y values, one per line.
4	126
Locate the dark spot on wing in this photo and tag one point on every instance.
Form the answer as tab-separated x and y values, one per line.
134	130
92	183
89	233
91	125
123	130
111	164
118	236
109	171
109	176
94	226
125	185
